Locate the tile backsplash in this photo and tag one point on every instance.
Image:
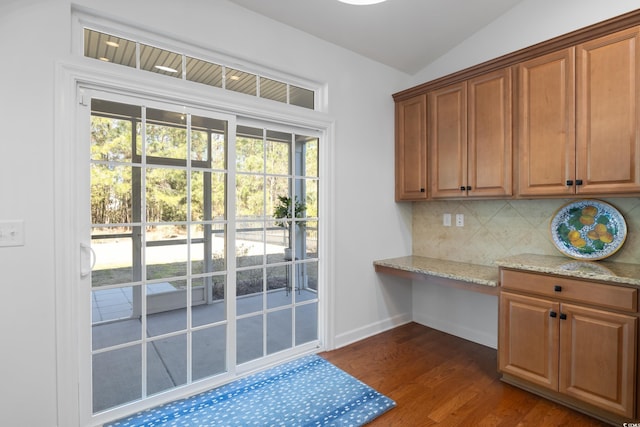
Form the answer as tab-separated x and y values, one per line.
497	228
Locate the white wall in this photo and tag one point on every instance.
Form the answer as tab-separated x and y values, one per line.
530	22
35	34
466	314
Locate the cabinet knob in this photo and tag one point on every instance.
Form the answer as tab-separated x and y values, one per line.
468	187
422	190
578	182
462	188
553	314
557	288
563	316
569	182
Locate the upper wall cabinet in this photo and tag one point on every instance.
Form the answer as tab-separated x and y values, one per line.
608	127
411	149
546	124
572	120
577	119
469	136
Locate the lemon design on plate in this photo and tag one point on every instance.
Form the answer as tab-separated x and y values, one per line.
588	229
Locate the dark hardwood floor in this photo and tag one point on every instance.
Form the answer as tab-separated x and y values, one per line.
438	379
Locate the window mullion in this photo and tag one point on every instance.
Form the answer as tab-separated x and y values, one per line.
188	302
231	225
143	243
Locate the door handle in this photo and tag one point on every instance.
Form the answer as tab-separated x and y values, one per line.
84	272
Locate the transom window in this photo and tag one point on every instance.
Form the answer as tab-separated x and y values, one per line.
111	48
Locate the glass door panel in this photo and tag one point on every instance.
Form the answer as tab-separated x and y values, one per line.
158	192
276	190
167	306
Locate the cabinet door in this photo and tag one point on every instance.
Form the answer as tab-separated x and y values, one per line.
608	137
528	339
546	124
448	140
411	149
489	136
597	358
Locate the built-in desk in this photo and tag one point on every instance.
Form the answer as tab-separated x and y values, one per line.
472	277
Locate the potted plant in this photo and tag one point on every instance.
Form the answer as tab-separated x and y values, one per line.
288	208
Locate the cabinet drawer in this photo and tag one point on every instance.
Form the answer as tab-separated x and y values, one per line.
602	295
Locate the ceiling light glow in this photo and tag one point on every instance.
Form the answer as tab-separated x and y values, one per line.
361	2
112	44
167	69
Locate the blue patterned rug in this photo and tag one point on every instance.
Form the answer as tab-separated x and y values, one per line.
308	391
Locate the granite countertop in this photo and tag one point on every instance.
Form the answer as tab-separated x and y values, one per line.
462	271
613	272
606	271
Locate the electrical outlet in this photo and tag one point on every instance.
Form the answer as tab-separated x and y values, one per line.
12	233
459	220
446	220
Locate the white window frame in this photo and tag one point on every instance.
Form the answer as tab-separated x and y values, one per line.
82	17
70	256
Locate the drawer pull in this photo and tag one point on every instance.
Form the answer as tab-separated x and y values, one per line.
563	316
557	288
553	314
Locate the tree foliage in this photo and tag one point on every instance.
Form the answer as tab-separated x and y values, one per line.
263	169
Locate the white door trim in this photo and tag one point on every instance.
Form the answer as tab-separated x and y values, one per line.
69	192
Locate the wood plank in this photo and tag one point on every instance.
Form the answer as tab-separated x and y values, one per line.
439	379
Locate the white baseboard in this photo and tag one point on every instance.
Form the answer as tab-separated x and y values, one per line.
474	335
372	329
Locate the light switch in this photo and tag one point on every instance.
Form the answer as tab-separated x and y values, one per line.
12	233
446	220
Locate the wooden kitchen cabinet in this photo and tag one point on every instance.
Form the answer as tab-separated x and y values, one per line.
529	339
570	340
411	149
608	127
572	113
598	358
448	140
546	124
470	138
577	120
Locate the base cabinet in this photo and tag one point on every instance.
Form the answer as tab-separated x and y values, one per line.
597	358
551	341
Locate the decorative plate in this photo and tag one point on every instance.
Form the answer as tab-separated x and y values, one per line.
588	230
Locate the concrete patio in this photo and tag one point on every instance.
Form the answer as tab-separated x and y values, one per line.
118	372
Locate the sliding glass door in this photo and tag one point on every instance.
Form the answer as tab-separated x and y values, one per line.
158	214
204	235
276	241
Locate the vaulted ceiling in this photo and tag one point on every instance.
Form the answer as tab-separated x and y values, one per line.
404	34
